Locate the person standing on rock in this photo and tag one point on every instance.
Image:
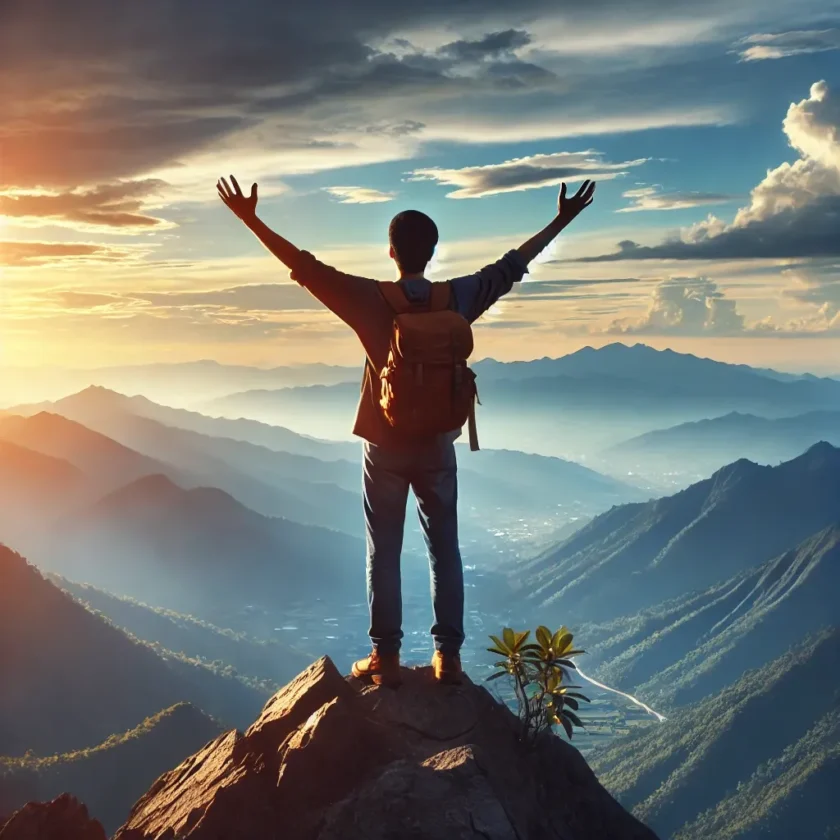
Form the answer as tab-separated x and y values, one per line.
417	394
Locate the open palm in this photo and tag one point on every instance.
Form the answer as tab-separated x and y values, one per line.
568	208
244	206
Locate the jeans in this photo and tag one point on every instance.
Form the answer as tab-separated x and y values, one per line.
431	472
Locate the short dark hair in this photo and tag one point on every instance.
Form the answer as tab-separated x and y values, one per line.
413	236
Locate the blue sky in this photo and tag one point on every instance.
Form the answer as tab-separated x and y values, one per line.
114	246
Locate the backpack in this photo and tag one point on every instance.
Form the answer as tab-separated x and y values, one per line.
426	386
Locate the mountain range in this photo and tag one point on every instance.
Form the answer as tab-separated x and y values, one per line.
110	777
179	383
684	650
582	402
279	473
705	445
200	551
758	759
71	679
257	659
638	555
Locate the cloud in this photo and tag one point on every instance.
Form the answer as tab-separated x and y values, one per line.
360	195
254	298
762	46
820	289
525	173
577	289
650	198
690	306
113	207
793	213
303	87
262	297
32	254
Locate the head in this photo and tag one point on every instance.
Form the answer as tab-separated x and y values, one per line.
413	237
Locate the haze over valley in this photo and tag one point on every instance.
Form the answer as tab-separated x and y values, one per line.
172	565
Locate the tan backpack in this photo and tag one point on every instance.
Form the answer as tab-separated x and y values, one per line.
427	387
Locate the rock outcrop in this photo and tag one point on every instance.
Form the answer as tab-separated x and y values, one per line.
65	818
332	759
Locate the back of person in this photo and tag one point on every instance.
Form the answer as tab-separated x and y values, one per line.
417	393
427	388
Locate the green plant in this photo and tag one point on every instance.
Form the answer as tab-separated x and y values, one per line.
538	671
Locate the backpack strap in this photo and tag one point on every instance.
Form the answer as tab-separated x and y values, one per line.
441	297
439	301
394	296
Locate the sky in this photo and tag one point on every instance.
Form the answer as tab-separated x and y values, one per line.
712	129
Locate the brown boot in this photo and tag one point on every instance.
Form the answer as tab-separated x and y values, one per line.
447	668
379	668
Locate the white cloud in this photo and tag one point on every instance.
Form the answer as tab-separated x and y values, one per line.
691	306
360	195
525	173
651	198
794	211
763	46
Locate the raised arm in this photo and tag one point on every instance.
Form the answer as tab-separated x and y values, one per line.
567	210
245	208
346	295
476	293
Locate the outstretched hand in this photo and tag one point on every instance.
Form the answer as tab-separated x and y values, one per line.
244	206
569	208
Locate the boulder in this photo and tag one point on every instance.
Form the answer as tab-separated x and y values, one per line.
334	758
65	818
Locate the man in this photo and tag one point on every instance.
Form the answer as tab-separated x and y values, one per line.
393	463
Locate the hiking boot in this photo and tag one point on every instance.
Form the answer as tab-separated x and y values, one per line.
379	668
447	668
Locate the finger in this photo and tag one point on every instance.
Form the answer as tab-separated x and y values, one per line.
236	185
223	196
254	192
562	191
223	188
228	188
582	190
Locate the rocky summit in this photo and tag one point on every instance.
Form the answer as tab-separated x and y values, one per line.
331	758
65	818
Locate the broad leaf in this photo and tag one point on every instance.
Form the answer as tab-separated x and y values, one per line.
543	636
510	638
567	726
573	718
500	644
560	644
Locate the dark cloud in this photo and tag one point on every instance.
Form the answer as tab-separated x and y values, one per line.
40	253
534	290
809	231
794	212
490	46
95	91
525	173
108	205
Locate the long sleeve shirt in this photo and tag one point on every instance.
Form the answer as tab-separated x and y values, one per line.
359	303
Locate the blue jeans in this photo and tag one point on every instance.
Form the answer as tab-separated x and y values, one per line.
431	472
